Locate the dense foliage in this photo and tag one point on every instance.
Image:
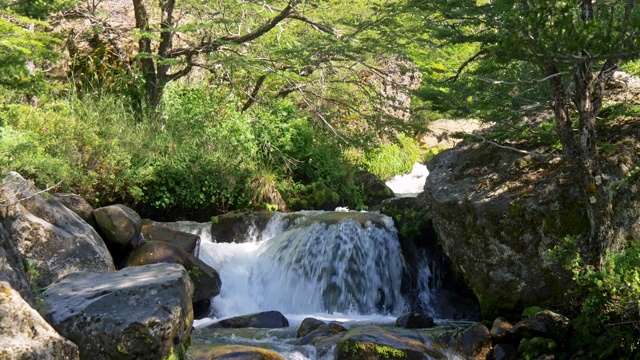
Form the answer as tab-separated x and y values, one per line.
605	302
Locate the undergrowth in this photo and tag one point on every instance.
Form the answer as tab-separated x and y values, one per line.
202	152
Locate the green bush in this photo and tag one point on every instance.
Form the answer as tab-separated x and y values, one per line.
605	301
388	160
78	144
201	152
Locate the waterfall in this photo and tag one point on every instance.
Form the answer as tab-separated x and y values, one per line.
426	283
328	262
333	262
410	184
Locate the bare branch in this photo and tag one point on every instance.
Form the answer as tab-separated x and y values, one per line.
318	26
263	29
500	82
513	148
3	204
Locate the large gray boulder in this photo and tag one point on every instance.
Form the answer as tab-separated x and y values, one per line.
155	231
25	334
12	268
53	240
142	312
498	212
206	279
78	205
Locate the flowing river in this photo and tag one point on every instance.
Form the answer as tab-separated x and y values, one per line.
345	267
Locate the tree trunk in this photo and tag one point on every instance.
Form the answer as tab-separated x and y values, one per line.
583	152
588	100
144	52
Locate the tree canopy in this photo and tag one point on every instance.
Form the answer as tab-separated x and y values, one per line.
574	46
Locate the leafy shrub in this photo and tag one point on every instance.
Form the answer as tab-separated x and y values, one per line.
606	301
202	152
386	161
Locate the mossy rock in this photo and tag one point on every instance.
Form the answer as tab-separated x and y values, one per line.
374	190
231	352
234	227
336	217
372	342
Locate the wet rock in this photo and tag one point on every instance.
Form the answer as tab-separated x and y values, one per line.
230	352
546	324
154	231
456	301
236	227
206	280
120	225
323	331
25	334
500	330
375	190
308	325
79	206
52	240
475	342
374	342
266	319
419	243
326	343
504	352
414	320
139	312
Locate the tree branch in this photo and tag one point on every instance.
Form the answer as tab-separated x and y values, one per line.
479	54
3	204
514	149
318	26
254	93
263	29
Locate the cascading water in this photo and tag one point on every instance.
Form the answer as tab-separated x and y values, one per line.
332	262
329	262
333	266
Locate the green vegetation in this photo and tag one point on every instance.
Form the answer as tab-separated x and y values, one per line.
365	350
535	348
604	302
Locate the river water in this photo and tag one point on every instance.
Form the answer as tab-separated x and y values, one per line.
344	267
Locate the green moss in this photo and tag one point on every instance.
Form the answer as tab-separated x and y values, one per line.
530	311
572	221
331	218
194	272
172	356
123	349
534	348
358	349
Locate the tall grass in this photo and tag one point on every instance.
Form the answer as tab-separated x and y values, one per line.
201	152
